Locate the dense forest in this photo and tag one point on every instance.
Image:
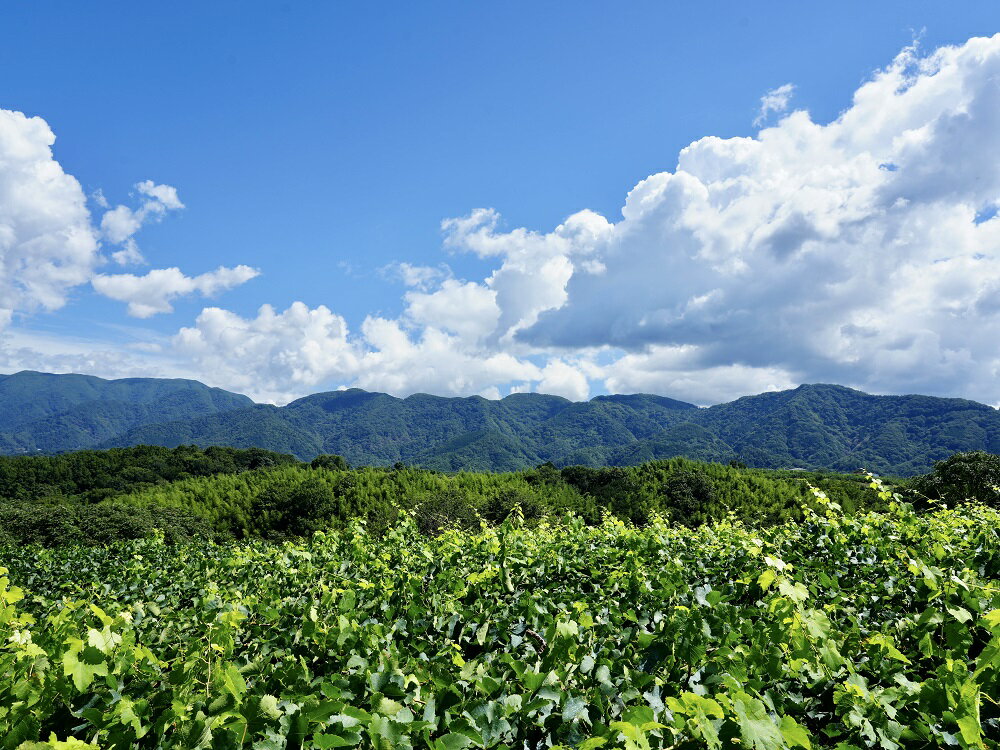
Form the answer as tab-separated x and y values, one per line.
821	427
41	412
99	496
226	493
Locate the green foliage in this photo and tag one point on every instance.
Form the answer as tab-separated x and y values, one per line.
297	509
528	506
327	461
55	524
126	493
54	413
76	498
811	427
690	495
963	477
443	510
254	503
92	476
873	630
296	500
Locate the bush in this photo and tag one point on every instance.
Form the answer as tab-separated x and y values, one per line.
615	489
330	461
964	476
284	511
447	509
689	496
497	508
47	524
57	524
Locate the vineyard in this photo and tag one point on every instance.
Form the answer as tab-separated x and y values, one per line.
877	629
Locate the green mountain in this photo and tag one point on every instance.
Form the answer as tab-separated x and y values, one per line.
810	427
839	428
41	412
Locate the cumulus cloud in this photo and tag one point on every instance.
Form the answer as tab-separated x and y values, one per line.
676	370
25	349
152	293
864	251
277	356
853	251
47	242
775	100
561	378
274	356
535	267
464	308
50	243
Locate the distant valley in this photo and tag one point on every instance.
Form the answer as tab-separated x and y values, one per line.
810	427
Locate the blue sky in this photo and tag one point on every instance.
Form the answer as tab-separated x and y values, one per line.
323	144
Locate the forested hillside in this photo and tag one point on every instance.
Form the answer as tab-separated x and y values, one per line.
41	412
811	427
222	493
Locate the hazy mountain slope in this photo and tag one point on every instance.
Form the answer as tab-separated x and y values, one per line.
256	426
813	426
54	413
375	428
834	427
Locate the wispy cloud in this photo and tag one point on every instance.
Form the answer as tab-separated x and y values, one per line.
775	100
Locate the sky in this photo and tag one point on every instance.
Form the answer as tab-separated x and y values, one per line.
702	200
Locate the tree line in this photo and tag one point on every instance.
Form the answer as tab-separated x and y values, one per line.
225	493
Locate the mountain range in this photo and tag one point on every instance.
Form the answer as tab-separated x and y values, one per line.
811	427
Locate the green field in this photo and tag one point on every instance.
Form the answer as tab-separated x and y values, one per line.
878	629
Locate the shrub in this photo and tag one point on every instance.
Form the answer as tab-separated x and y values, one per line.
689	496
497	508
962	477
446	509
330	461
57	524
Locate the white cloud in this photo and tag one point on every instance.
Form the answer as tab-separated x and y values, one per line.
466	309
151	294
852	252
675	370
47	243
119	224
129	255
563	379
775	100
277	356
273	357
846	252
435	362
535	267
417	277
22	349
859	251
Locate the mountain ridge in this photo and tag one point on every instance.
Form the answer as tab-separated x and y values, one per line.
51	413
813	426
